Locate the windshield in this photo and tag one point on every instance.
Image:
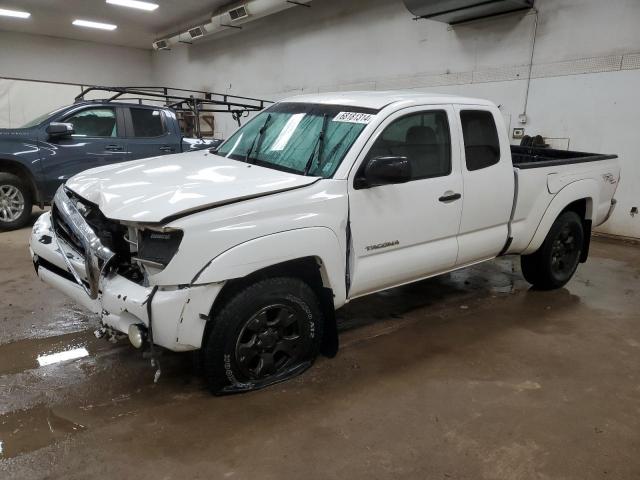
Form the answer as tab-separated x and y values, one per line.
41	118
298	137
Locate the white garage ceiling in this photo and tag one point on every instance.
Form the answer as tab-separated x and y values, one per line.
136	28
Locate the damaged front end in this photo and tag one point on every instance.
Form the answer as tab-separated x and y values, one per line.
72	232
107	266
133	251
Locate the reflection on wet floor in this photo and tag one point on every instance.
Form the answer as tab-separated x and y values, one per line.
64	356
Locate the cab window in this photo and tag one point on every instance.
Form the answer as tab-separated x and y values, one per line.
481	144
147	122
94	122
421	137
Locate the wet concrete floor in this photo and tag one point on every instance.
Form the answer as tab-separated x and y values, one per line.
467	376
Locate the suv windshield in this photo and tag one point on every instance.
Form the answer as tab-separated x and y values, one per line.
298	137
41	118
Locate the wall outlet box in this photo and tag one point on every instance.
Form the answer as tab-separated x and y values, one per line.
518	132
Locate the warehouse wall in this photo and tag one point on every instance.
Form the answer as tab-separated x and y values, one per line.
585	75
58	65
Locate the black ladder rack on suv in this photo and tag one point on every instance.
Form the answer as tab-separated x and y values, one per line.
181	100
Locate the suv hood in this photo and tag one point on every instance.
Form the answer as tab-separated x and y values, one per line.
159	189
16	132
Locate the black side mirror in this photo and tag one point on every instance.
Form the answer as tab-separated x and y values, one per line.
379	171
57	129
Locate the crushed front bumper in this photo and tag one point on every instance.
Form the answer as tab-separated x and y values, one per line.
179	313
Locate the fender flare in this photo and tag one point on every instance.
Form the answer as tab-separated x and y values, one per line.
16	168
253	255
586	189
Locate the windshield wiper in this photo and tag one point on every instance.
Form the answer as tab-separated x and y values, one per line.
319	146
257	139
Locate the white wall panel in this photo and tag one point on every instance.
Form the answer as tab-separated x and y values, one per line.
22	101
34	57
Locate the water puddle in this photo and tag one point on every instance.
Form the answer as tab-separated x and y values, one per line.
22	355
28	430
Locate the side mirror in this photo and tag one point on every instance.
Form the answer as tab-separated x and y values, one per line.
57	129
384	171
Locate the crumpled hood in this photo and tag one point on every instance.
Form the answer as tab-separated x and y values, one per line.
157	189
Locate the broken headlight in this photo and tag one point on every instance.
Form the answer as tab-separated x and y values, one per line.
156	249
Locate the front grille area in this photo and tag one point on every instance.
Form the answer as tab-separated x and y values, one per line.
64	231
110	232
99	241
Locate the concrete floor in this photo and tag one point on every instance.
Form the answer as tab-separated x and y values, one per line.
466	376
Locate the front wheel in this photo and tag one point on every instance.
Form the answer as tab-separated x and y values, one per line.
15	202
555	262
267	333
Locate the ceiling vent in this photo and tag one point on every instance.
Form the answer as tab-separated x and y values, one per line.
458	11
196	32
238	13
161	45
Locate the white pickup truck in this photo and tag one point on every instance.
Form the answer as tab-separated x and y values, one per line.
245	252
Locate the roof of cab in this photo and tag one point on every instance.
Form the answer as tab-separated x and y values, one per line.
103	101
380	99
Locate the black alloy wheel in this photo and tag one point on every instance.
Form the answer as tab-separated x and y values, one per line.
269	342
265	333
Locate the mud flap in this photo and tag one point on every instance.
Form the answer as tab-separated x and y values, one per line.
330	343
584	254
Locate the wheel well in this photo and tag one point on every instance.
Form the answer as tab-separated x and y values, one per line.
24	174
307	269
581	208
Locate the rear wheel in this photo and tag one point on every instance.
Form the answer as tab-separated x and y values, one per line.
267	333
15	202
555	262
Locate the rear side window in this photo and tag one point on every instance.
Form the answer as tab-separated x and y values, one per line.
147	122
421	137
481	144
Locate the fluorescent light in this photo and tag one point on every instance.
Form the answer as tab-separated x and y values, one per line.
134	4
14	13
62	356
101	26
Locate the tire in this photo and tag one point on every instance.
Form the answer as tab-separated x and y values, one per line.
267	333
555	262
15	202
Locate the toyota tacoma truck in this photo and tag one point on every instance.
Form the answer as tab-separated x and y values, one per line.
244	252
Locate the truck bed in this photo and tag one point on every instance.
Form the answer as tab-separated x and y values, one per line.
538	157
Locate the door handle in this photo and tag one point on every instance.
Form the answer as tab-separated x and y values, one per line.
114	148
167	148
450	197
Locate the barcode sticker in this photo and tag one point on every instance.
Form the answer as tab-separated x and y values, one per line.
353	117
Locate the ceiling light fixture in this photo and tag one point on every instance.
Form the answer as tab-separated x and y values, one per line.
14	13
134	4
88	24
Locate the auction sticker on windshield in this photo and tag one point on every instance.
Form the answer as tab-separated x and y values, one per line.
353	117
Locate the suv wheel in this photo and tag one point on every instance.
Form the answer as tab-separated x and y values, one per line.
267	333
15	202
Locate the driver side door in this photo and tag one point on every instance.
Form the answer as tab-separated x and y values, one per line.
407	231
97	140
